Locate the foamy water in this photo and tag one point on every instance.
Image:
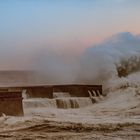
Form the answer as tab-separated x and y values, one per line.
75	102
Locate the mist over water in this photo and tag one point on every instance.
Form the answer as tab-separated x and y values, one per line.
116	57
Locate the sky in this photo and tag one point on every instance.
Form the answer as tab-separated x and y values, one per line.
27	25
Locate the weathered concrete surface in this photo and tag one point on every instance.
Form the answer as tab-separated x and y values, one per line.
46	91
11	103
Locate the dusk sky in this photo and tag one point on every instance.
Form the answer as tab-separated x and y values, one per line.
26	24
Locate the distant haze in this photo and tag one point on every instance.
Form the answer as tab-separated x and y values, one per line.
30	27
65	41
